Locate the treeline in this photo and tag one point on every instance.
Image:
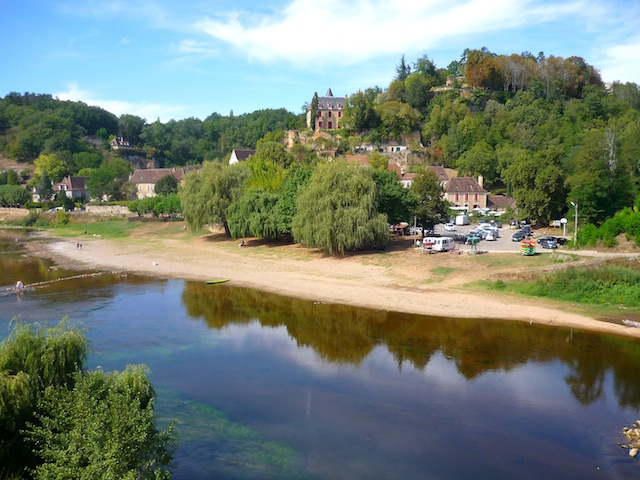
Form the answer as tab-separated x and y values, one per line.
544	130
34	124
334	206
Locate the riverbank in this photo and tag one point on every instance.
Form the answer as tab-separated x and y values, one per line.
400	279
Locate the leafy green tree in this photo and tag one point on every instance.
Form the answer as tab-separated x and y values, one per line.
13	196
337	211
102	428
479	160
33	359
359	111
55	167
537	185
397	202
166	185
44	187
207	193
130	127
313	110
398	118
377	161
403	70
297	179
430	206
254	215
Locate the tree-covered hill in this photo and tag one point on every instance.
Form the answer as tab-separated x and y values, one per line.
543	129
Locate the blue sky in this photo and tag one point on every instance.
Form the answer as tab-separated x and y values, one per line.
178	59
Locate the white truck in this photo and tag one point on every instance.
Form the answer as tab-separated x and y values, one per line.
437	244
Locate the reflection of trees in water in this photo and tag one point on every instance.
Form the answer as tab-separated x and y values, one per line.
343	334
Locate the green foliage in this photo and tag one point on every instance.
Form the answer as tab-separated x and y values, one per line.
254	215
13	196
207	193
614	283
166	185
32	359
62	217
397	202
430	207
58	421
44	187
104	427
337	211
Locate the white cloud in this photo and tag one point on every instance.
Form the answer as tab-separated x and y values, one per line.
343	32
147	110
622	62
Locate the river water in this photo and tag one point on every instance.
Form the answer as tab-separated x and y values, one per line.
263	386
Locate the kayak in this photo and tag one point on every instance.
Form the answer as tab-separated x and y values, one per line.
219	280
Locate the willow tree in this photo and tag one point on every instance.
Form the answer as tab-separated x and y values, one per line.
32	359
337	210
207	194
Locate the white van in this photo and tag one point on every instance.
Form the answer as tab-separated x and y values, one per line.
438	244
462	219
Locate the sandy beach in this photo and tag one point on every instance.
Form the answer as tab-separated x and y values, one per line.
400	279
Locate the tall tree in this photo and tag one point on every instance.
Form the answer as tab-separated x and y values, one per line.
207	193
431	207
313	111
402	70
337	211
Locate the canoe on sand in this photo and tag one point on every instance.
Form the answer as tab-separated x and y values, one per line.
219	280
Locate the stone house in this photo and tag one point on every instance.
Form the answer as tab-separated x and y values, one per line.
329	112
145	179
73	187
465	192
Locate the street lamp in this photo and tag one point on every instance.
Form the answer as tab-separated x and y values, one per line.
575	228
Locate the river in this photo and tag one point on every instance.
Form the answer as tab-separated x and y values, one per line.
263	386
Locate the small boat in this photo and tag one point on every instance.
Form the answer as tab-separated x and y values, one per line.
219	280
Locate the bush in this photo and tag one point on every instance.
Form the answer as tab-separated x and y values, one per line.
62	218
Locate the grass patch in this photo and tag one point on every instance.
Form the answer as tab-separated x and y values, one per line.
442	271
106	229
612	283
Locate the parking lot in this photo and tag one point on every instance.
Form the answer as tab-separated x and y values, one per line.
502	244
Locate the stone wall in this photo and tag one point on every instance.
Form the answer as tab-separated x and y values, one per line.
13	213
107	210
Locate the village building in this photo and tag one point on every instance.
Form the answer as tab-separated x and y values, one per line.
118	143
465	193
240	155
72	187
329	113
145	179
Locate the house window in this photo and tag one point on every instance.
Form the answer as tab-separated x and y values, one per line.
148	188
320	124
319	114
330	126
139	188
476	197
457	197
329	114
466	197
339	114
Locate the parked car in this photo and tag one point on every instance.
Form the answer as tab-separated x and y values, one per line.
450	227
526	230
518	236
558	240
415	231
491	237
548	242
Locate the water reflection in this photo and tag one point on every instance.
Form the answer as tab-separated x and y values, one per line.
346	335
264	386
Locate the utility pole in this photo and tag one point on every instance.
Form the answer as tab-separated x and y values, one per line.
575	227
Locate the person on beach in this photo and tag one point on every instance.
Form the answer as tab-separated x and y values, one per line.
19	286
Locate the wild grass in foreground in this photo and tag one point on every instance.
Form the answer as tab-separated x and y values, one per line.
613	283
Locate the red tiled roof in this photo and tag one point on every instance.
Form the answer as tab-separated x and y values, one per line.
500	201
